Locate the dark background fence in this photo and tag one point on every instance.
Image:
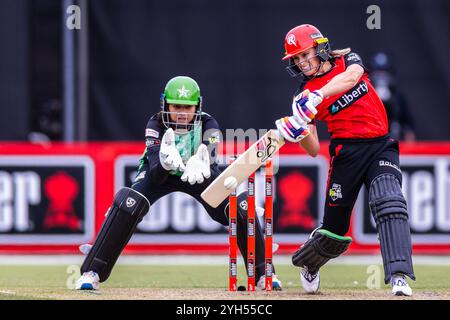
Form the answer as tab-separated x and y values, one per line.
232	48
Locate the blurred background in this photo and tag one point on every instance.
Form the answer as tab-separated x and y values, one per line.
94	73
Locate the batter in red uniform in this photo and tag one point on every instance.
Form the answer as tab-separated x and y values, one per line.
336	89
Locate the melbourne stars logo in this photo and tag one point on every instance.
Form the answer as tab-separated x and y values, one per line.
183	92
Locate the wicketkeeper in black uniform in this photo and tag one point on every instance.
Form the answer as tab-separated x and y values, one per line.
179	142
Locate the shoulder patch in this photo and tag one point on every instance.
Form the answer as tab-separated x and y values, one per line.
151	133
152	142
352	57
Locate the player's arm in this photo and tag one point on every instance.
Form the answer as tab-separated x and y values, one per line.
343	81
308	101
354	69
311	142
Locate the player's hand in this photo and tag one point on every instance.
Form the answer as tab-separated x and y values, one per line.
168	154
292	129
197	167
304	105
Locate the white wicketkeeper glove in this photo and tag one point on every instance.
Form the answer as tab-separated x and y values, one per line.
304	105
168	154
292	129
197	167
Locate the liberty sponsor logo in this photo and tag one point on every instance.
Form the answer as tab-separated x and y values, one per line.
335	192
348	98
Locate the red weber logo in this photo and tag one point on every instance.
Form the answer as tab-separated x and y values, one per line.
46	199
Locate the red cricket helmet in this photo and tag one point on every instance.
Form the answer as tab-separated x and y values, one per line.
302	38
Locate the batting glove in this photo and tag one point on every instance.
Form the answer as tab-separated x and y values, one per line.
304	105
291	129
168	154
197	167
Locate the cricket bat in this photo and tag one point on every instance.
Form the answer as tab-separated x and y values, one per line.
243	167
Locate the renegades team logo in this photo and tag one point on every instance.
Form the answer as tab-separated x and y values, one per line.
348	98
291	40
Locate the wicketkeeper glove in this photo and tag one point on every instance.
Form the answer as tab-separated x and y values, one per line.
291	129
197	167
304	105
168	154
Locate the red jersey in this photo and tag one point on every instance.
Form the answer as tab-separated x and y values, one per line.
357	113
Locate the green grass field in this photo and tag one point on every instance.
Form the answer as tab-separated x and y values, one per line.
210	282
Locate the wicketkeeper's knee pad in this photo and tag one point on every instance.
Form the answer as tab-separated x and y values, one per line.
322	246
127	210
388	207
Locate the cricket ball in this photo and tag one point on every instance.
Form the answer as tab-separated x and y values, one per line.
230	183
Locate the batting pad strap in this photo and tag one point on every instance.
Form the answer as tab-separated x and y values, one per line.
334	235
385	196
321	247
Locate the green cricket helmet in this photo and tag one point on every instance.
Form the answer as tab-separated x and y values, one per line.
181	90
